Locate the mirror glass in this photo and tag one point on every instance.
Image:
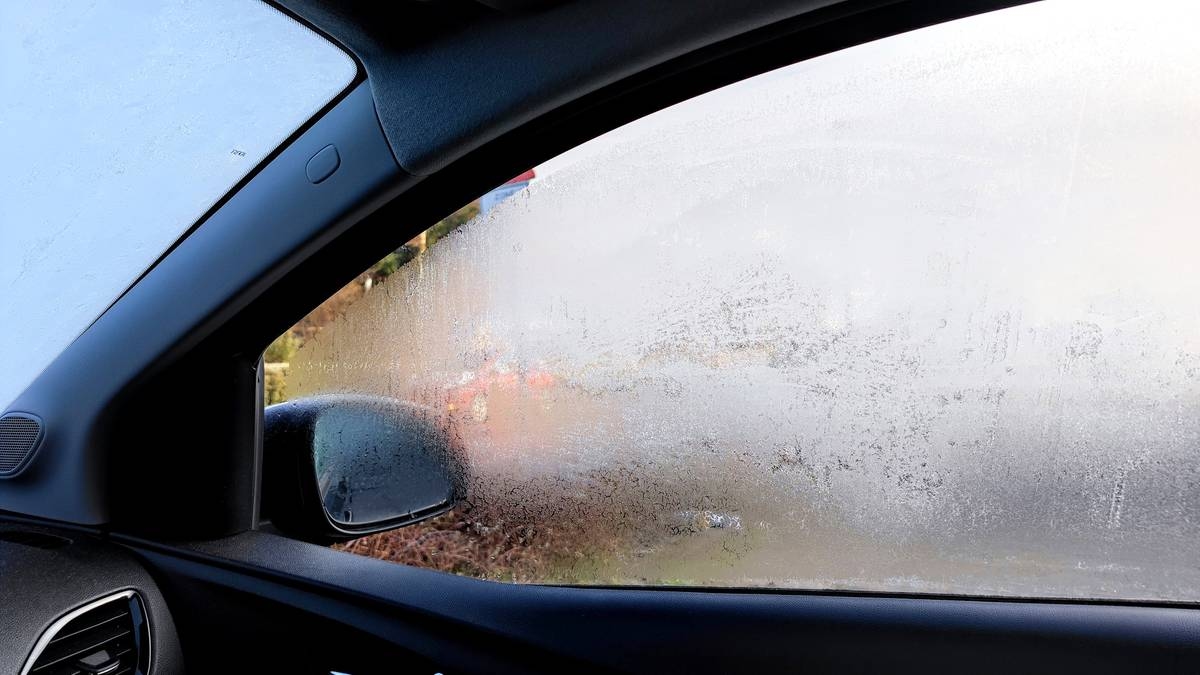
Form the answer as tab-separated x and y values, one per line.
379	460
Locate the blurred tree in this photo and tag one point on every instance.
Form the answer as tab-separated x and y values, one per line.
392	262
451	223
274	384
282	349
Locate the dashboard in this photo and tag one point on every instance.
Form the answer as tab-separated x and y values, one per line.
70	603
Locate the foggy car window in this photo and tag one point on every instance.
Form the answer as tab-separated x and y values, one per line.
918	316
122	124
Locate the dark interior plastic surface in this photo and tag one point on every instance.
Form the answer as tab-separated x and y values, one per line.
40	583
469	626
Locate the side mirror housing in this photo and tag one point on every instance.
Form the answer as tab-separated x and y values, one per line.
341	466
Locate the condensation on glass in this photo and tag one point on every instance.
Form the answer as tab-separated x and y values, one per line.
919	316
120	125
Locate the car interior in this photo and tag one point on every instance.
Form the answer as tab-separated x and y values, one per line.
145	528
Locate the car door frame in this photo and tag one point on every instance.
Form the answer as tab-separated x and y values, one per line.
103	469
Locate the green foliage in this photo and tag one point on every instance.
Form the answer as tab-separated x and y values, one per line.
282	349
405	254
451	223
392	262
274	386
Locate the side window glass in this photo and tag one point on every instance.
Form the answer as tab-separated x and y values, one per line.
918	316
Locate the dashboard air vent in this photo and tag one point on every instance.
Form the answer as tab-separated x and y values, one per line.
106	637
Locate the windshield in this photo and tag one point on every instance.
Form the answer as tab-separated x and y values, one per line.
118	140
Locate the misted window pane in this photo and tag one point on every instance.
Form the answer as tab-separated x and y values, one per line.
922	315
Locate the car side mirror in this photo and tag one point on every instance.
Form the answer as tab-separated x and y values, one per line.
337	467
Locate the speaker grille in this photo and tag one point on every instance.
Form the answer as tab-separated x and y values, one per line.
19	437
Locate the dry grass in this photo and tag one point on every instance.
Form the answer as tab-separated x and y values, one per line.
555	530
459	543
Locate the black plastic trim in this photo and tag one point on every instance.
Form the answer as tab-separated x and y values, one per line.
39	585
468	625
